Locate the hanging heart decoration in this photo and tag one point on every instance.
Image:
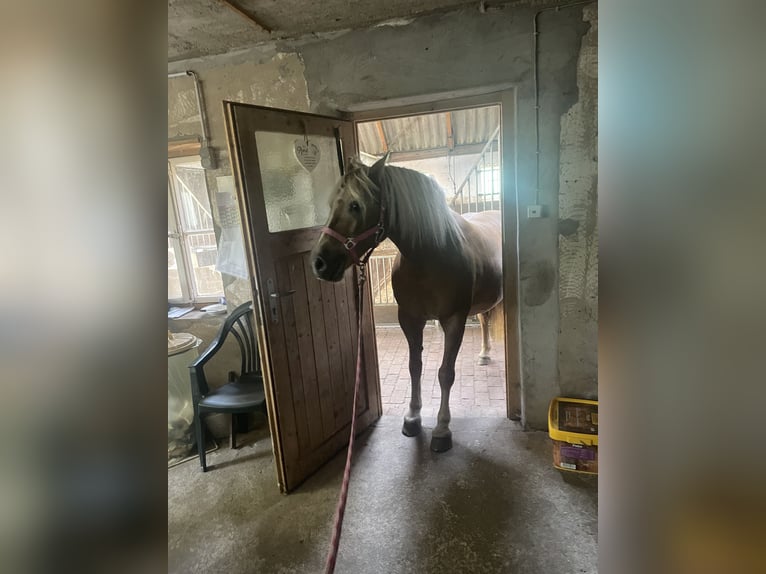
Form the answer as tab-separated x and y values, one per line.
307	153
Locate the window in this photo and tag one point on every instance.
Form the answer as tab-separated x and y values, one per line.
192	250
489	181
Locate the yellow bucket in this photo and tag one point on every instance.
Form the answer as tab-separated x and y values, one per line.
573	426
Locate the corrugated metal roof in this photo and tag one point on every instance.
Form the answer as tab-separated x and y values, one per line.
428	131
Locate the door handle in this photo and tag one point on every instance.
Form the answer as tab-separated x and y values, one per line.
278	295
274	298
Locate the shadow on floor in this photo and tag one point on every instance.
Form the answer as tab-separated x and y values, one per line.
491	504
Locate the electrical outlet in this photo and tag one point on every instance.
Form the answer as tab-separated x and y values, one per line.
534	211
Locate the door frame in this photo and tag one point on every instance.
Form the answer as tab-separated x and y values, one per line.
504	96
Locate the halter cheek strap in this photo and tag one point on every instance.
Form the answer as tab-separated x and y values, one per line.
351	243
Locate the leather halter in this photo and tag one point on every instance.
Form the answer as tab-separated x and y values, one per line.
350	243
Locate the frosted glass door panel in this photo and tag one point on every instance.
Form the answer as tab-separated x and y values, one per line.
298	176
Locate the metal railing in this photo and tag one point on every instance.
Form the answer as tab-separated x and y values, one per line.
481	187
379	270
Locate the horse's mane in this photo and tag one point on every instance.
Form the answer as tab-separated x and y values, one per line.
416	206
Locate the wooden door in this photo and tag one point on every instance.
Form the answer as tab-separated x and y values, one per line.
286	164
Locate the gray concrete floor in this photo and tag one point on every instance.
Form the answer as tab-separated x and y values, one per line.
492	504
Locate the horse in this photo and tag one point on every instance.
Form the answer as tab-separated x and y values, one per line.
449	265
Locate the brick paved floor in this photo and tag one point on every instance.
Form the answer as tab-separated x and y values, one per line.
479	391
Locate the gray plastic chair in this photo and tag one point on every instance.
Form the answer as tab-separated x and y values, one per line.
243	393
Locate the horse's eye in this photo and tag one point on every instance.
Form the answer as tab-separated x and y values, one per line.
353	207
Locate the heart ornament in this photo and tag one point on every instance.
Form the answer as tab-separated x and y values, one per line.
307	153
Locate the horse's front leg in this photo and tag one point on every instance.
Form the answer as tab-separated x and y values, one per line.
413	330
485	344
454	327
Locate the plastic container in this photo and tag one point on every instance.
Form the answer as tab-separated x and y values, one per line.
573	426
182	351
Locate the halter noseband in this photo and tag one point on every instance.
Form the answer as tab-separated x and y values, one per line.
350	243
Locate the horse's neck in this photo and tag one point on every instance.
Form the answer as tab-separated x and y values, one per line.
424	255
408	251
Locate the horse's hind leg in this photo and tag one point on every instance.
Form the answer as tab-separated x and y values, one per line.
413	330
454	327
485	344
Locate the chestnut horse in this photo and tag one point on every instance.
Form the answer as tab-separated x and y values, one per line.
449	266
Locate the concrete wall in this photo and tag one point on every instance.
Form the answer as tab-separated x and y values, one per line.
435	54
578	243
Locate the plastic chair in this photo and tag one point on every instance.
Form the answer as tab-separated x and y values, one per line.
243	393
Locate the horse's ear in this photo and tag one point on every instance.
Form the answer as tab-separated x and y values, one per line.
376	170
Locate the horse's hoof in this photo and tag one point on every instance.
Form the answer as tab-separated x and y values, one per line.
412	427
441	443
483	361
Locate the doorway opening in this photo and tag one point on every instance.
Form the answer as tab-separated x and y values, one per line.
282	160
461	149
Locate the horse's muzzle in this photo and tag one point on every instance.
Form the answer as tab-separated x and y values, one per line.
328	267
319	264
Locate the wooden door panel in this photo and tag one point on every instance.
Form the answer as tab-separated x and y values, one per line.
287	243
298	387
338	370
308	328
321	356
347	348
305	349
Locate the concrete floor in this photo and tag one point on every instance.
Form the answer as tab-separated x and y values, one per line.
492	504
479	390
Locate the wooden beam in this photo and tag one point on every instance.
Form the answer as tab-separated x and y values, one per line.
245	15
183	148
382	136
450	134
368	158
436	152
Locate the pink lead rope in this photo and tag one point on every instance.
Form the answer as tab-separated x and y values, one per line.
332	555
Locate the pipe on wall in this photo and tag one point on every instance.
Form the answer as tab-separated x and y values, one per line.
206	153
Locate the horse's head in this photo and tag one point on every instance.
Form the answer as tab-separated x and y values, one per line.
355	212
